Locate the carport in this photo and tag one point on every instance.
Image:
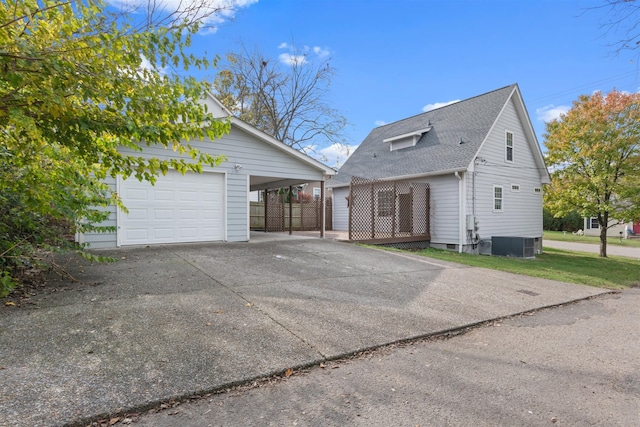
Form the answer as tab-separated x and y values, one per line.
211	206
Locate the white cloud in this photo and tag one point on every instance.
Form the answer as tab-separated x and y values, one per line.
218	11
299	56
550	112
289	59
430	107
336	154
321	52
379	123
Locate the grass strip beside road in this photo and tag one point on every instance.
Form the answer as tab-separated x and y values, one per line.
569	237
555	264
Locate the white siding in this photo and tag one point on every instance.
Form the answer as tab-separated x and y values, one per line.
103	240
443	212
444	208
522	210
340	209
237	215
256	158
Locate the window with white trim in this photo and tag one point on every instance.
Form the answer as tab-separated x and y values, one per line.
497	198
515	188
316	193
508	155
592	223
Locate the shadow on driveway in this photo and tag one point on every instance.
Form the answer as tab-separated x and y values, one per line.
174	321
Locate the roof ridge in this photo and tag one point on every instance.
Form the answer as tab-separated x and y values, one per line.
446	106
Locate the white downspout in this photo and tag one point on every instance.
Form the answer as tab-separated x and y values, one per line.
461	218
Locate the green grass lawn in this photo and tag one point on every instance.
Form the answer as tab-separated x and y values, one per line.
568	237
555	264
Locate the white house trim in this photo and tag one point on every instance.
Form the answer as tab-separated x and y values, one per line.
414	176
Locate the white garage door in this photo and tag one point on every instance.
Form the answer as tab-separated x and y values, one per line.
178	208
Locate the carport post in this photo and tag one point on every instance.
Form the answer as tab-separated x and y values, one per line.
266	209
290	210
323	209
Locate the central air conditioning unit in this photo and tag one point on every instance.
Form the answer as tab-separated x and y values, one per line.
484	247
516	247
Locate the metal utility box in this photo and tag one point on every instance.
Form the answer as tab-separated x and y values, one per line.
516	247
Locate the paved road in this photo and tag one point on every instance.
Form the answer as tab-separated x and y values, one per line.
625	251
576	365
175	321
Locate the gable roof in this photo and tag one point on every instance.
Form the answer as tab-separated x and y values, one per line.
218	110
450	138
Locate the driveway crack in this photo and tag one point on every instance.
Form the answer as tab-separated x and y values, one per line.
253	305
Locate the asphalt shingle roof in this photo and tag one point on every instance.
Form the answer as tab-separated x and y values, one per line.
437	150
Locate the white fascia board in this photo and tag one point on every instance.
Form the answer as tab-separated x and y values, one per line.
413	176
282	146
407	135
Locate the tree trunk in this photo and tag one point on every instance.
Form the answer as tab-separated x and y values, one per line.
603	241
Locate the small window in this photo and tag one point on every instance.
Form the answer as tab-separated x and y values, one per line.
509	147
497	198
316	193
515	188
385	202
537	190
592	223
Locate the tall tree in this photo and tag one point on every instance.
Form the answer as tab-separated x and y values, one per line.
623	19
287	98
595	151
76	105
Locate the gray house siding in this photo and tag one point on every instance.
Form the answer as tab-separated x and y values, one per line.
444	217
522	209
237	214
103	240
443	210
340	209
246	156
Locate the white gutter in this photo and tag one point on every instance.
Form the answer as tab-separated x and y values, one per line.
413	176
461	217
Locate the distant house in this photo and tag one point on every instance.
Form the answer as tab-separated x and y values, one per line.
213	205
615	228
483	165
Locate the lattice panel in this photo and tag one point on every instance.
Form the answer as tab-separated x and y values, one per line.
388	210
310	213
275	212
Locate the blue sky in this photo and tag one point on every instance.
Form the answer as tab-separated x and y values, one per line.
393	58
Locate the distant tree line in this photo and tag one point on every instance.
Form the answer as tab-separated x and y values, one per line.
570	222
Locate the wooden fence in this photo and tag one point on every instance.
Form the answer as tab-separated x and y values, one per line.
306	216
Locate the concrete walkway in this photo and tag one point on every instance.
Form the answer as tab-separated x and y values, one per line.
625	251
175	321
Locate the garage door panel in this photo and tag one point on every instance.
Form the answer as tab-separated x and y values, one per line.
136	194
187	214
138	214
164	233
137	234
178	208
188	196
163	214
188	233
163	195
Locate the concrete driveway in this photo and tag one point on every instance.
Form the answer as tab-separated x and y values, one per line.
169	322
